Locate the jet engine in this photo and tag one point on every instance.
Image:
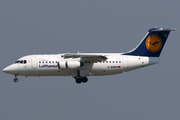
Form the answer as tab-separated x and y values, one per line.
69	64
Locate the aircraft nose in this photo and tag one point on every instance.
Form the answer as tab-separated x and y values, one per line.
6	69
12	69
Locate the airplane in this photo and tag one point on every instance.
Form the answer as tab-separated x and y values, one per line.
82	65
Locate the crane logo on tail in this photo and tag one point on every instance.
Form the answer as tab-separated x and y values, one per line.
153	43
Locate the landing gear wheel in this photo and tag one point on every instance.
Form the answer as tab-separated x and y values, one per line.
84	79
78	80
15	80
81	79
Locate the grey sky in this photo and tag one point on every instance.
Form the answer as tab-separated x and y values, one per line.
59	26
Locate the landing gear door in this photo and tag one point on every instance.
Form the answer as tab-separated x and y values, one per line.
34	63
84	72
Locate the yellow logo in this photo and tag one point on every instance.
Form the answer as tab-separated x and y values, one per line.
153	43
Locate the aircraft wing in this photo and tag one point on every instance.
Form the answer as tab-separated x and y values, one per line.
87	57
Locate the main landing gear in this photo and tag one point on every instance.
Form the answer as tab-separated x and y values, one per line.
15	79
81	80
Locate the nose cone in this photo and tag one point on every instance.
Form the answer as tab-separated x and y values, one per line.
6	70
12	69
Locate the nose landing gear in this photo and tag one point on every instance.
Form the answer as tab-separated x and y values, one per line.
15	79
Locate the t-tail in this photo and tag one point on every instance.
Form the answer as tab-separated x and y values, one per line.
152	44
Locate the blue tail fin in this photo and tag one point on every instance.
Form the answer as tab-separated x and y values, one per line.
152	44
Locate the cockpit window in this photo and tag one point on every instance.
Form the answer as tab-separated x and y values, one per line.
17	61
21	61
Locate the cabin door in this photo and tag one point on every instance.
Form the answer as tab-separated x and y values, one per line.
34	63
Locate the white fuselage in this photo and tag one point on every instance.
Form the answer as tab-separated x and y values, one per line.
47	65
81	65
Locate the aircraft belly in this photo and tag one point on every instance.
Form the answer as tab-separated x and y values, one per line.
105	72
50	72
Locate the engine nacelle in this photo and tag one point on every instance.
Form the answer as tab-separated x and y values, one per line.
62	65
69	64
73	64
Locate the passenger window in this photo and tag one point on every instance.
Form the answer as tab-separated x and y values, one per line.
43	61
106	61
109	61
25	61
119	61
46	61
113	61
116	61
52	61
49	61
